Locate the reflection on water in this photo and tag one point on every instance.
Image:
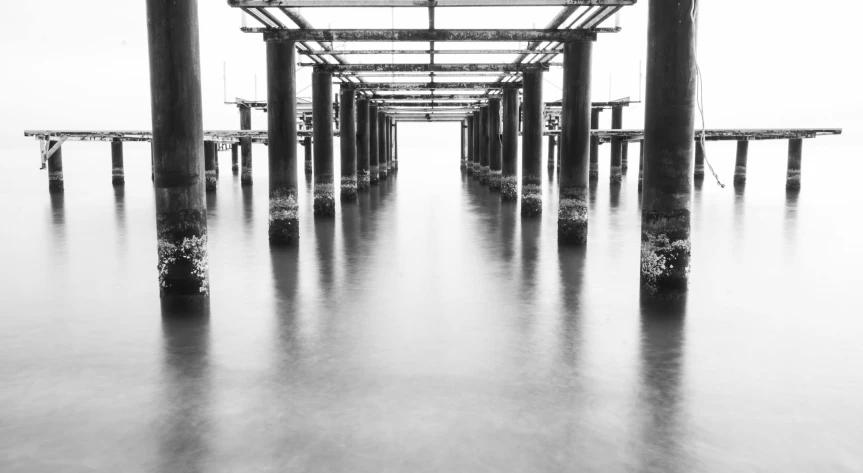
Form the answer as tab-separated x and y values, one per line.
661	361
185	424
429	327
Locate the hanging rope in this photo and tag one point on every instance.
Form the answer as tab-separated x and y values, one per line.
699	97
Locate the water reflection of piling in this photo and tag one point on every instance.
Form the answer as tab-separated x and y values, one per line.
325	234
795	158
120	209
285	263
118	177
184	426
571	263
661	357
530	235
740	163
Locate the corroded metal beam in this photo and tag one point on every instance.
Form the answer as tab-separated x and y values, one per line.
314	52
284	34
337	68
435	85
421	3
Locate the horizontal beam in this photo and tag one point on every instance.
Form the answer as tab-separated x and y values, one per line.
428	97
285	34
421	3
438	105
433	85
338	68
437	52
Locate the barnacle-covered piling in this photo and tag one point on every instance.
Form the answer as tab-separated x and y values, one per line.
624	156
740	162
245	146
616	171
55	168
374	169
307	156
795	158
210	165
284	227
363	176
576	144
322	118
382	145
669	126
509	146
348	144
178	154
118	177
495	150
235	155
699	159
531	151
593	173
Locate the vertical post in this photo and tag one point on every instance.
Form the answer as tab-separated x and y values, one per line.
118	177
531	145
484	145
575	123
210	165
55	168
669	120
795	158
469	144
284	225
178	154
494	148
740	163
389	121
322	130
594	144
624	156
245	146
363	144
550	152
307	156
382	144
477	150
641	166
616	124
235	155
509	146
374	171
395	146
699	160
348	142
462	131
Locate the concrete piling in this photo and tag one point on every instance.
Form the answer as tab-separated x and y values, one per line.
382	145
699	160
284	225
468	165
494	146
550	153
322	129
484	145
55	168
395	146
575	123
235	155
669	126
795	158
245	146
362	124
210	165
616	146
740	162
477	149
118	177
374	172
594	145
531	145
462	132
641	166
307	157
509	146
178	154
624	156
348	143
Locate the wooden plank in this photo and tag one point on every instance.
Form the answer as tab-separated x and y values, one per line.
510	35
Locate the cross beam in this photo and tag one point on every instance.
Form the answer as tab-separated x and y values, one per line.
433	85
421	3
428	97
340	68
285	34
317	52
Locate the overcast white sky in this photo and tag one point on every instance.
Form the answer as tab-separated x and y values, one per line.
766	63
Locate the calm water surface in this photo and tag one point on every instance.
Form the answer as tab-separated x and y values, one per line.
430	328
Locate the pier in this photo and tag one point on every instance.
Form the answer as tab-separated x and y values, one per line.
493	115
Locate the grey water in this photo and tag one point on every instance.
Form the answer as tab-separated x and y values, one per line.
429	327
